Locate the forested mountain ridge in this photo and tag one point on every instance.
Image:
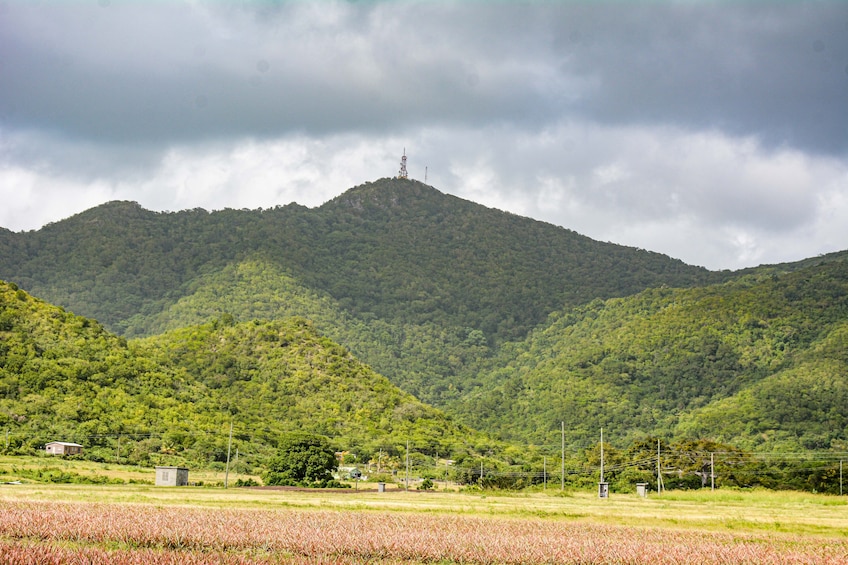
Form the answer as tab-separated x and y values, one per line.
759	362
392	249
172	396
117	260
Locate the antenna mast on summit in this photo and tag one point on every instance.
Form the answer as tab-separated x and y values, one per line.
402	174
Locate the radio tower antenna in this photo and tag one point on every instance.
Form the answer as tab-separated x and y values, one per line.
402	174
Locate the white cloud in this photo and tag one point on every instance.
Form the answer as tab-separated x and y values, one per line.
247	173
32	198
704	197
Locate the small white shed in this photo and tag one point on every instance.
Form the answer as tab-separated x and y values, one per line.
62	448
171	476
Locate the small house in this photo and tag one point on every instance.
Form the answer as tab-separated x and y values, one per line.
63	448
171	476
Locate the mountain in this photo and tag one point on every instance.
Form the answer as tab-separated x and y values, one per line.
421	285
390	249
759	362
405	250
172	397
510	325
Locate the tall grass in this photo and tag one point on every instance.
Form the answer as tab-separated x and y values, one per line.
123	534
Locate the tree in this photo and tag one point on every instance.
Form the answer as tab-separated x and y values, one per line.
694	462
302	459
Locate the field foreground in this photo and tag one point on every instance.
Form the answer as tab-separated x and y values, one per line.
402	528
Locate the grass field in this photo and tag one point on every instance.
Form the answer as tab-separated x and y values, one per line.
20	468
138	523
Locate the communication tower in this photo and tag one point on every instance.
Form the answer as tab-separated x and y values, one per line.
402	174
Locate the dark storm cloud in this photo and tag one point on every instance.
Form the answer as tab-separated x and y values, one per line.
776	70
173	71
190	72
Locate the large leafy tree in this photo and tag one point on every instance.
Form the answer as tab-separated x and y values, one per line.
302	459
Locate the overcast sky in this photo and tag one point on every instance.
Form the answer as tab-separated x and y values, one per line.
714	132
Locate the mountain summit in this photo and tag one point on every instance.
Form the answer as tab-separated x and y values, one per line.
392	248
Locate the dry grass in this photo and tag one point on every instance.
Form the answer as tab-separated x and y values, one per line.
32	532
738	511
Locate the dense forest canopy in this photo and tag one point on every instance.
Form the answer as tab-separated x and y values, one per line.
759	362
174	395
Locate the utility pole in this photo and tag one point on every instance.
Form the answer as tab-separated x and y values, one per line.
602	455
407	442
545	471
562	470
603	486
659	472
118	451
712	472
229	445
840	477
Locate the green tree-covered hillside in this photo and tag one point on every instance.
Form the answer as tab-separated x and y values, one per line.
433	362
64	377
759	363
284	372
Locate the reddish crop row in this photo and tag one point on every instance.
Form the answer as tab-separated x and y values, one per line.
125	534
